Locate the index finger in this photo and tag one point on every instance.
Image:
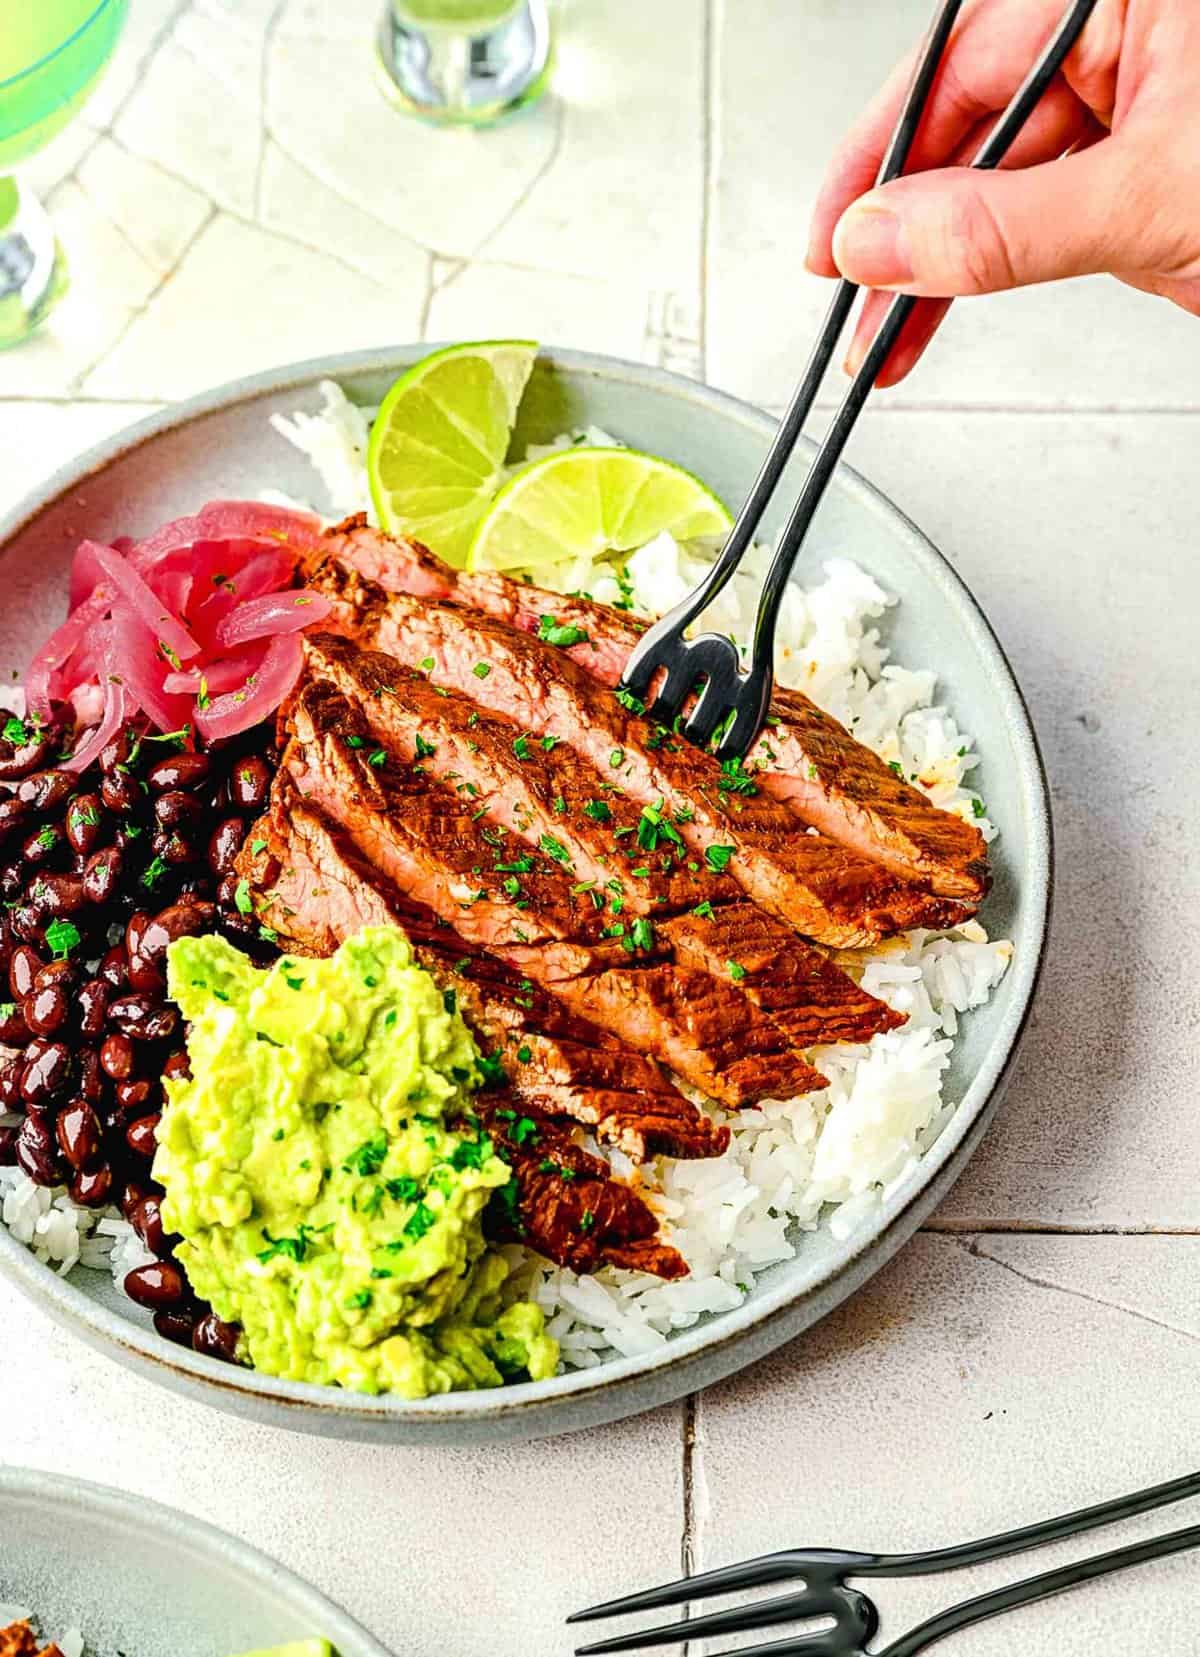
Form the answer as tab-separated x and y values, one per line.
991	50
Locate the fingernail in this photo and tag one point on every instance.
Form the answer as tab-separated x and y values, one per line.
854	359
870	247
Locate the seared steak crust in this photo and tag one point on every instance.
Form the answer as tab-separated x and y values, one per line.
315	892
425	841
825	890
568	1206
630	863
807	760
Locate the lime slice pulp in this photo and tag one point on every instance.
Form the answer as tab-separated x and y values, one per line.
590	502
437	449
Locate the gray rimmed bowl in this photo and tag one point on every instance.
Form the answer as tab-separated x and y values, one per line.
142	1579
222	444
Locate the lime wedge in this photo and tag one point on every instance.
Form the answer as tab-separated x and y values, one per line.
298	1648
590	502
436	455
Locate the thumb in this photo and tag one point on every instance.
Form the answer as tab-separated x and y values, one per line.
959	231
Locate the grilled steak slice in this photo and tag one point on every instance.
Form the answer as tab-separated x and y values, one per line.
807	759
823	889
312	889
431	847
567	1205
630	859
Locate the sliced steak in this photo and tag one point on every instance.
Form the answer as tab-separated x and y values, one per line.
567	1205
806	759
823	889
629	859
429	846
312	889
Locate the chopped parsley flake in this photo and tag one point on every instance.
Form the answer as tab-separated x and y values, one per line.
555	849
563	634
481	669
736	971
735	779
632	703
521	748
718	858
598	810
61	938
241	897
156	869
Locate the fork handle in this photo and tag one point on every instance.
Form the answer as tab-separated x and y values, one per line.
790	427
1039	1587
992	153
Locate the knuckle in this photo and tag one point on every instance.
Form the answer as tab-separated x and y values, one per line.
979	244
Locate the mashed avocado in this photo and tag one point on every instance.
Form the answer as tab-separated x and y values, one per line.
327	1176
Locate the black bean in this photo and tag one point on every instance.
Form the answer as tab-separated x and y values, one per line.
142	1136
216	1339
57	895
121	792
14	812
147	980
45	791
178	1067
85	823
177	809
146	1219
225	844
47	1010
12	880
250	783
65	975
177	1326
23	968
93	1002
178	771
117	751
78	1133
18	759
132	1096
35	1151
159	1285
101	874
26	923
140	1017
91	1076
48	1075
116	1057
173	847
134	927
133	1194
92	1188
114	968
130	834
14	1032
43	847
10	1084
8	1147
188	918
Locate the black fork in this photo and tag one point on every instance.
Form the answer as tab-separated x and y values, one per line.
733	701
854	1617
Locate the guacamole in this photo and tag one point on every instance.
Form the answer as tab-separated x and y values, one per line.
328	1178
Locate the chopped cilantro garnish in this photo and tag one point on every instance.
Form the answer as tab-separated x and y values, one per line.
154	872
61	938
563	634
978	807
550	743
525	1131
257	847
421	1220
524	1054
718	858
425	750
555	849
491	1066
521	747
598	810
736	971
16	733
359	1300
425	664
47	838
587	1220
735	779
641	933
369	1158
354	742
378	758
481	669
629	701
241	897
704	910
617	758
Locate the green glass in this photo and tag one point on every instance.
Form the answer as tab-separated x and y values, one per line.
52	53
464	61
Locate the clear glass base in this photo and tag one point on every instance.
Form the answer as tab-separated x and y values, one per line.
33	271
446	72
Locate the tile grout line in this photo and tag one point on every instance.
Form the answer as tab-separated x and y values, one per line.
687	1540
708	140
1046	1228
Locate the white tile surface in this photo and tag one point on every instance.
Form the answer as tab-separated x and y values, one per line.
239	195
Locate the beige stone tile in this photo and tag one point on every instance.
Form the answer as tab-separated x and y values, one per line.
147	26
447	1551
156	213
789	79
957	1396
447	189
244	299
297	204
495	301
624	194
1077	534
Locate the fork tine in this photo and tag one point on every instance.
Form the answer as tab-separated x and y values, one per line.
750	1573
758	1614
739	738
712	706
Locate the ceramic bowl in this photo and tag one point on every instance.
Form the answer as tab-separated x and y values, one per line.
222	444
136	1577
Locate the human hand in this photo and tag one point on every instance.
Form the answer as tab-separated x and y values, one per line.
1104	177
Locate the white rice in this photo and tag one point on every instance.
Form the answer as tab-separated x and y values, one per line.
831	1157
